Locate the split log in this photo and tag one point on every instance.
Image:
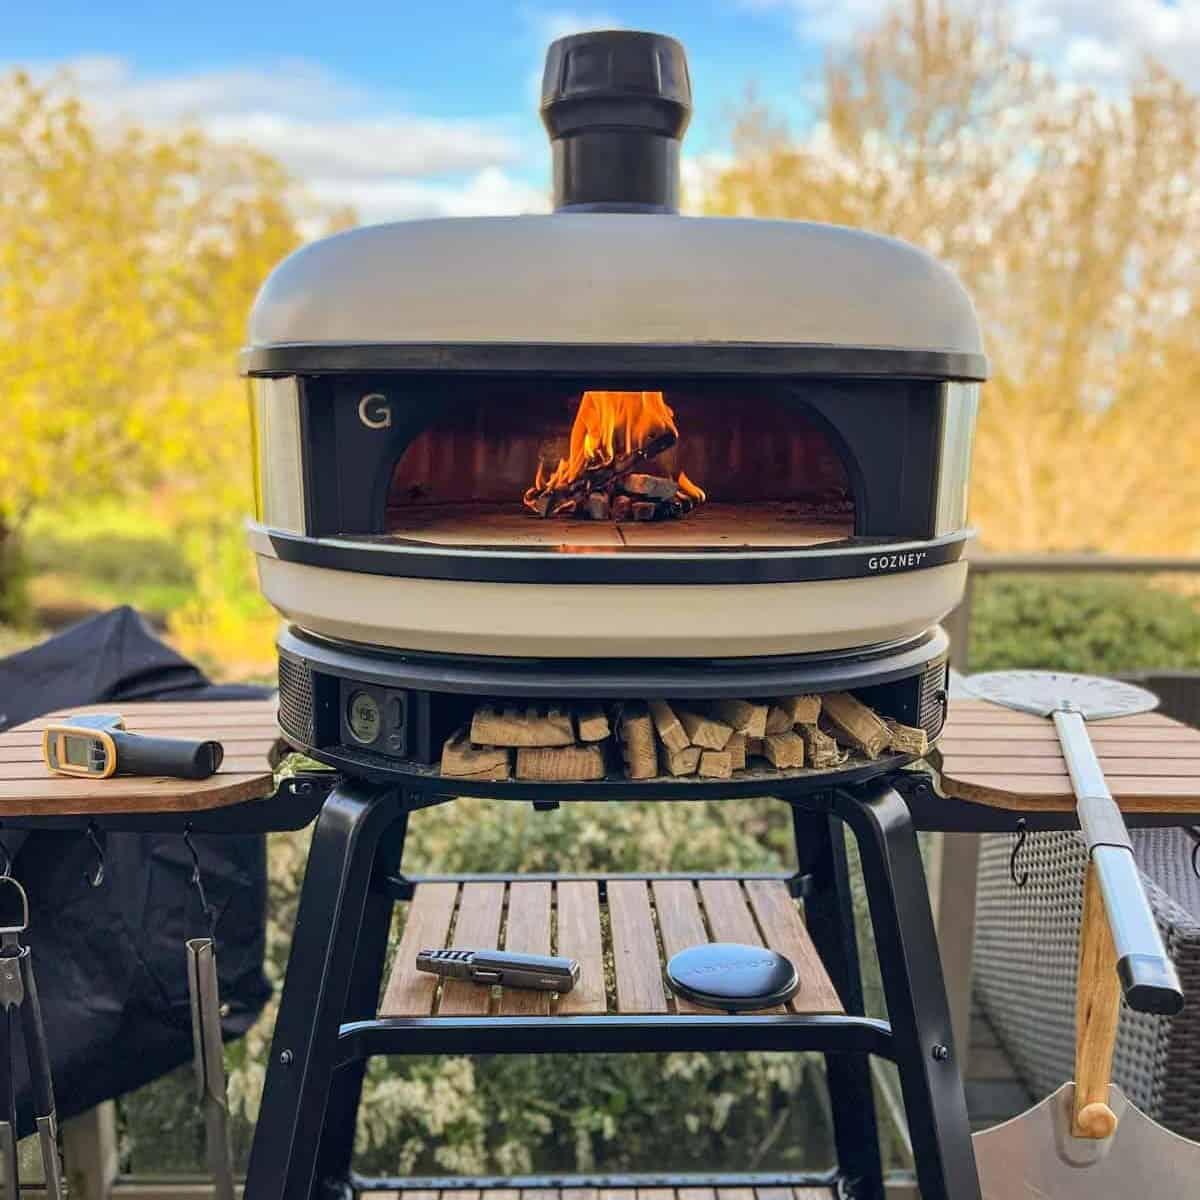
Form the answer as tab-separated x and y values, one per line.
491	727
742	716
597	507
644	510
685	761
670	732
778	720
784	750
820	747
716	764
592	724
561	762
652	487
907	739
461	760
736	749
703	731
854	724
638	744
802	710
622	508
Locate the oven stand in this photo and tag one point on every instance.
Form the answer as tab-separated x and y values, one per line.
327	1027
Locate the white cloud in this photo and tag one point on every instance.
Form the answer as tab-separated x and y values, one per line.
345	151
1088	41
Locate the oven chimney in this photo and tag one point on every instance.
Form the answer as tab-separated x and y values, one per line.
615	104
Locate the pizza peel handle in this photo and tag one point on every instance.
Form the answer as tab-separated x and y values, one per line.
1147	975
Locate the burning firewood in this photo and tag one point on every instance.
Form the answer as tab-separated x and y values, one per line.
651	487
907	739
461	760
512	727
854	724
666	724
561	763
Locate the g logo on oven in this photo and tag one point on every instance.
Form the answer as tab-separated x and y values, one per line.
896	562
374	411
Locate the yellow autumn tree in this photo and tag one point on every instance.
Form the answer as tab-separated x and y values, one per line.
1074	220
128	263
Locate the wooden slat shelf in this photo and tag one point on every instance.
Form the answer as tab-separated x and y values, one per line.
687	1193
622	942
1006	759
246	728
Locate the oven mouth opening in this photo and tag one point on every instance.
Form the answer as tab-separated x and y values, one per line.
600	471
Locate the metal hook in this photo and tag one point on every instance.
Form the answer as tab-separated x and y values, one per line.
6	870
210	915
1022	833
1193	831
95	876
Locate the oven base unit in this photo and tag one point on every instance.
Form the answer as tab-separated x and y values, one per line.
419	700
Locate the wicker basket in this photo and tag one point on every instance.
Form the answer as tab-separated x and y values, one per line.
1025	965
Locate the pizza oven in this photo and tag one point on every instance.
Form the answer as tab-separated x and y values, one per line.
609	453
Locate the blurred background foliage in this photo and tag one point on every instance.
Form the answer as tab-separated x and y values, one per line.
128	263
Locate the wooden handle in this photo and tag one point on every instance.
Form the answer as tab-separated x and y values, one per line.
1097	1012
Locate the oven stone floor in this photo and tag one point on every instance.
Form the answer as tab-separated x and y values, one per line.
622	931
713	525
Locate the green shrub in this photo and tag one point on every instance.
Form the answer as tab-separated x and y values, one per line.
1097	624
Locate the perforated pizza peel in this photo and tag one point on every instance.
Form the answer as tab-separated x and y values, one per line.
1087	1140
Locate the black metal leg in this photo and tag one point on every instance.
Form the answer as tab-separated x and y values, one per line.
317	989
915	991
341	1114
829	915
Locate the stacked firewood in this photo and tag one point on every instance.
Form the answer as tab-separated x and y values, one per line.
714	739
619	490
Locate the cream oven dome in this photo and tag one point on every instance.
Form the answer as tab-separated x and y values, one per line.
612	430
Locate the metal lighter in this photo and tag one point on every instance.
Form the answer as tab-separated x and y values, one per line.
540	972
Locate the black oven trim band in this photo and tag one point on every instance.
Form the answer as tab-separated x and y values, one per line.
631	565
572	358
615	679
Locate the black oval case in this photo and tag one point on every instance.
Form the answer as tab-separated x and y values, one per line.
732	977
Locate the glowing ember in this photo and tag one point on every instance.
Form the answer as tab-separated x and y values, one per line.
614	438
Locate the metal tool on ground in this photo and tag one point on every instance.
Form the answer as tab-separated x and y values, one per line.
100	746
208	1055
1087	1139
539	972
19	1000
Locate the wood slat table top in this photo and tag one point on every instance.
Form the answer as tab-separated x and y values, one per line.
621	945
1005	759
574	1193
246	728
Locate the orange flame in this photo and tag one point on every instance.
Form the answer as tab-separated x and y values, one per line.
689	489
607	424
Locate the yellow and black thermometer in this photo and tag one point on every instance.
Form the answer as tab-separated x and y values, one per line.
100	746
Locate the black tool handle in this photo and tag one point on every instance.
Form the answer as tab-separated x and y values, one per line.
179	758
37	1049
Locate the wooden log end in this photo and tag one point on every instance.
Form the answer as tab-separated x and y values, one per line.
562	763
706	732
715	764
784	750
907	739
685	761
742	716
592	724
778	720
461	760
666	724
854	724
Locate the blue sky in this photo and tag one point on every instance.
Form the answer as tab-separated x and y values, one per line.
411	109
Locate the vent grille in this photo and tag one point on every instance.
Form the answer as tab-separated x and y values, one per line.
932	703
296	698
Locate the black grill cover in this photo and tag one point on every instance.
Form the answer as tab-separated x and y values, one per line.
109	960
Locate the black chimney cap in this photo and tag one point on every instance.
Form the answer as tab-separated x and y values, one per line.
615	103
